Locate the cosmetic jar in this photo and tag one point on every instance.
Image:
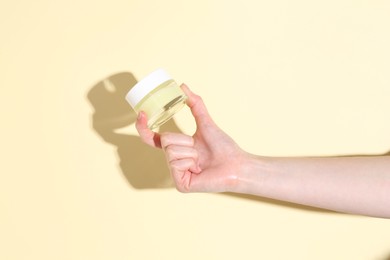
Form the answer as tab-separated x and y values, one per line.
158	95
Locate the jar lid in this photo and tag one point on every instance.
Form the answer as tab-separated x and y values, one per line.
146	85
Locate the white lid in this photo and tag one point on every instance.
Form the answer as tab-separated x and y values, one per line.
147	84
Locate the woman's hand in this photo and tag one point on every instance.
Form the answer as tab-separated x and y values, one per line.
208	161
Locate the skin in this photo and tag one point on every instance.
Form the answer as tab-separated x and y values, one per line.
210	161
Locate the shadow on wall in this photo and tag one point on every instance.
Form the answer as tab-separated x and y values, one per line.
144	167
387	257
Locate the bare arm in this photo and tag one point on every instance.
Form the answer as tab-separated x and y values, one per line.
210	161
358	185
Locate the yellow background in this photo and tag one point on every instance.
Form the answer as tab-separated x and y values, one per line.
289	78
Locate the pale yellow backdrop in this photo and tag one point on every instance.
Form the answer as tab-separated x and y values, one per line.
291	78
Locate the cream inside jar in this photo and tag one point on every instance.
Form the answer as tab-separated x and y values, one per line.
159	96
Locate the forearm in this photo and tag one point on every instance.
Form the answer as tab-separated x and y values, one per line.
359	185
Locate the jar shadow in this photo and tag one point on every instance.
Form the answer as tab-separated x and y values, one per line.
143	167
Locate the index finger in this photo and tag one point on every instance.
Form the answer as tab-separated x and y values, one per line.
147	136
197	106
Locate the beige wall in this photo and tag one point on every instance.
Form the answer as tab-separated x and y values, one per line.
287	78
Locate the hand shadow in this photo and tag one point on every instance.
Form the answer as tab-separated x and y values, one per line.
144	167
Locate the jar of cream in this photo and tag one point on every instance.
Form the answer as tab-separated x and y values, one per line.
158	96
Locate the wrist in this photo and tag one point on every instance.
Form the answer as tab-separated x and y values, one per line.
251	175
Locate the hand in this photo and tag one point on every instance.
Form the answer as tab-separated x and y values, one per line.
208	161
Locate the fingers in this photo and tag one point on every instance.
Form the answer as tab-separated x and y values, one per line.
168	139
178	147
182	167
179	152
148	136
197	106
181	171
182	158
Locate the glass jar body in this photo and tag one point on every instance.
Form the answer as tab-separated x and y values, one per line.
162	103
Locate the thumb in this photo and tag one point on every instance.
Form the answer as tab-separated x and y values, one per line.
197	106
147	136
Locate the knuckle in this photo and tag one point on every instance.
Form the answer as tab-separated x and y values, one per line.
179	177
175	167
181	189
168	150
171	156
197	99
165	139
